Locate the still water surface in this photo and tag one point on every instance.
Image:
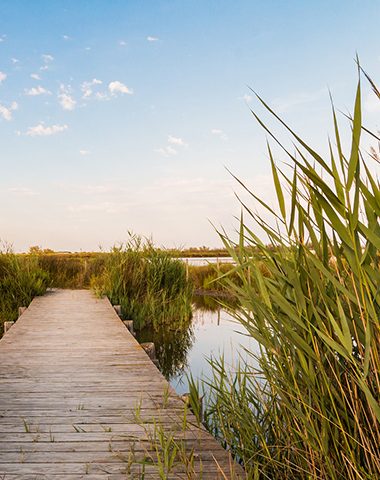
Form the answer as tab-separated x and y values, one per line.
212	332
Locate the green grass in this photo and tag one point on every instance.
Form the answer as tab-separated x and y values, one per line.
312	410
21	279
71	270
151	286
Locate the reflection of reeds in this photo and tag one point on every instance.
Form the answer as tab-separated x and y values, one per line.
213	303
315	413
173	342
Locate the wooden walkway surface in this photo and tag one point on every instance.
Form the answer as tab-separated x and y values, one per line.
79	398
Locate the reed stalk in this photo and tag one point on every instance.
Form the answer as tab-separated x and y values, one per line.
311	410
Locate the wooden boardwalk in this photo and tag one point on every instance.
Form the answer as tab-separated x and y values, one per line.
79	398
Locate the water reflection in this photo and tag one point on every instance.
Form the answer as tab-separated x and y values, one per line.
172	346
210	303
212	331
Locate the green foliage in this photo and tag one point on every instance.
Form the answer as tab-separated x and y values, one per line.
209	277
21	279
68	270
148	283
312	410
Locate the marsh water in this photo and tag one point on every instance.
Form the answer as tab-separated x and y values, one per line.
186	348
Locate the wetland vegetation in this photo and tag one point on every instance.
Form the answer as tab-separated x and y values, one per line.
310	408
304	403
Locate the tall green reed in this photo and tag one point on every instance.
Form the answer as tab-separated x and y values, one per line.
311	410
148	283
21	279
68	270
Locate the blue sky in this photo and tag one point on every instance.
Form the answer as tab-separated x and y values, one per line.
122	115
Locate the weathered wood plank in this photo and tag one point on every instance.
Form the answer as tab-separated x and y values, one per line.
79	398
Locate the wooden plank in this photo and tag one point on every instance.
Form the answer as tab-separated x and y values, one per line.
79	398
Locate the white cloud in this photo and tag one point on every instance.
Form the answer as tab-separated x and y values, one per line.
6	112
66	37
15	60
84	152
167	151
282	105
2	38
3	76
42	131
101	96
47	58
87	87
176	141
66	101
44	67
116	87
22	191
152	39
35	91
102	207
35	76
247	98
218	132
122	43
95	189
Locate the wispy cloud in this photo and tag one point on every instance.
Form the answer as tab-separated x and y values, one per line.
2	38
167	151
88	87
46	58
116	87
176	141
6	112
102	207
284	104
35	91
101	96
3	76
219	133
84	152
94	189
41	131
35	76
150	38
65	99
122	43
15	60
22	191
44	68
66	37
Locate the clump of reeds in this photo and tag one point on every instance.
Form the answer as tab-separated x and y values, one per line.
208	277
71	270
147	282
21	279
312	410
